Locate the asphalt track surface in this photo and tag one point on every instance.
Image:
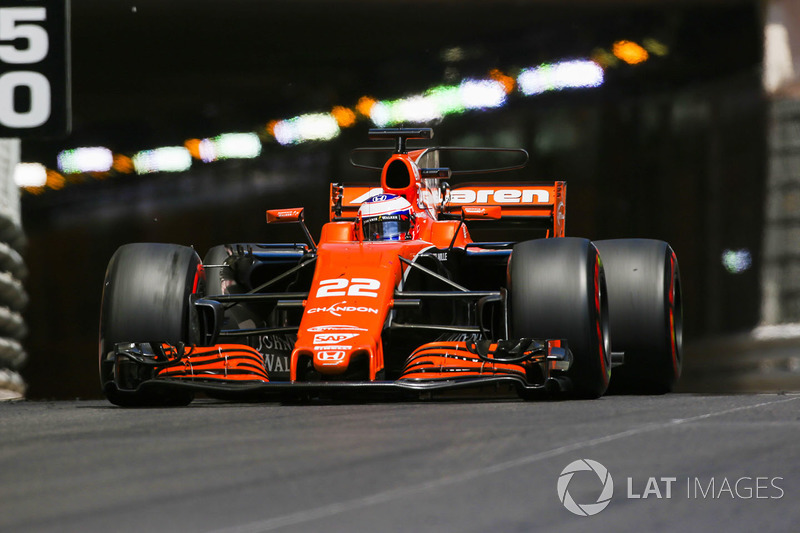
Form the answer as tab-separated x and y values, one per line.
422	466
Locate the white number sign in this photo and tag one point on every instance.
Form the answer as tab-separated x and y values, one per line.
33	65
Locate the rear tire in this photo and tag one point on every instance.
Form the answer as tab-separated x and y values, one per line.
146	298
557	291
644	295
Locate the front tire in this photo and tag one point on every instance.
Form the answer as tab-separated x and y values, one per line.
146	298
557	291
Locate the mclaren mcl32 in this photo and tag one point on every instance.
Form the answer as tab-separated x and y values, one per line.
396	299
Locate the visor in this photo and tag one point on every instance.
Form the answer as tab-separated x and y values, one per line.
386	228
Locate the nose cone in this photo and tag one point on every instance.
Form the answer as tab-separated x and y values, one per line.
347	308
343	354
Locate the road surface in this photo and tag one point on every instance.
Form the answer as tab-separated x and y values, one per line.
680	462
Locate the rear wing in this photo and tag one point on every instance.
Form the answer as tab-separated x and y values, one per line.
540	204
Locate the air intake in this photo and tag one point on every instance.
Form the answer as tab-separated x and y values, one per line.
398	175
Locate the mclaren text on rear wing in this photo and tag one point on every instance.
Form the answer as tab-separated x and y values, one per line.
541	202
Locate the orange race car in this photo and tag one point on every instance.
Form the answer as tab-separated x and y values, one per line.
397	299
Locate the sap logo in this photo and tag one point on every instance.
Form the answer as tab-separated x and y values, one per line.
337	308
331	356
499	196
336	327
332	338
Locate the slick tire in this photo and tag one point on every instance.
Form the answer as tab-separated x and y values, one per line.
646	314
146	298
557	291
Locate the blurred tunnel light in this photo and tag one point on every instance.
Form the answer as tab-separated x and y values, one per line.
55	180
447	99
507	81
433	104
454	54
123	164
167	159
604	58
90	159
227	146
416	109
312	127
344	116
558	76
482	94
206	151
237	145
630	52
30	175
193	145
737	261
381	114
364	105
438	102
655	46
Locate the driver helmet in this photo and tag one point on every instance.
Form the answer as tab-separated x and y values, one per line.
386	217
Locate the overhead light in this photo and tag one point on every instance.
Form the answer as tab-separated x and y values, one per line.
737	261
655	46
30	175
89	159
344	116
166	159
230	146
630	52
311	127
558	76
482	94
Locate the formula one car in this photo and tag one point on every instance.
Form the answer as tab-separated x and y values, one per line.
396	300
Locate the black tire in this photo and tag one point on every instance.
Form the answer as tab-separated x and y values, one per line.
557	291
146	299
646	311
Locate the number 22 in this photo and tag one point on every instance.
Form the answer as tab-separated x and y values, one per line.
343	286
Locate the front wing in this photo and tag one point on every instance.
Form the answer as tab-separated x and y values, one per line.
526	367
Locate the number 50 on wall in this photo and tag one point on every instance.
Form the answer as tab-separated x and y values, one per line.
34	68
